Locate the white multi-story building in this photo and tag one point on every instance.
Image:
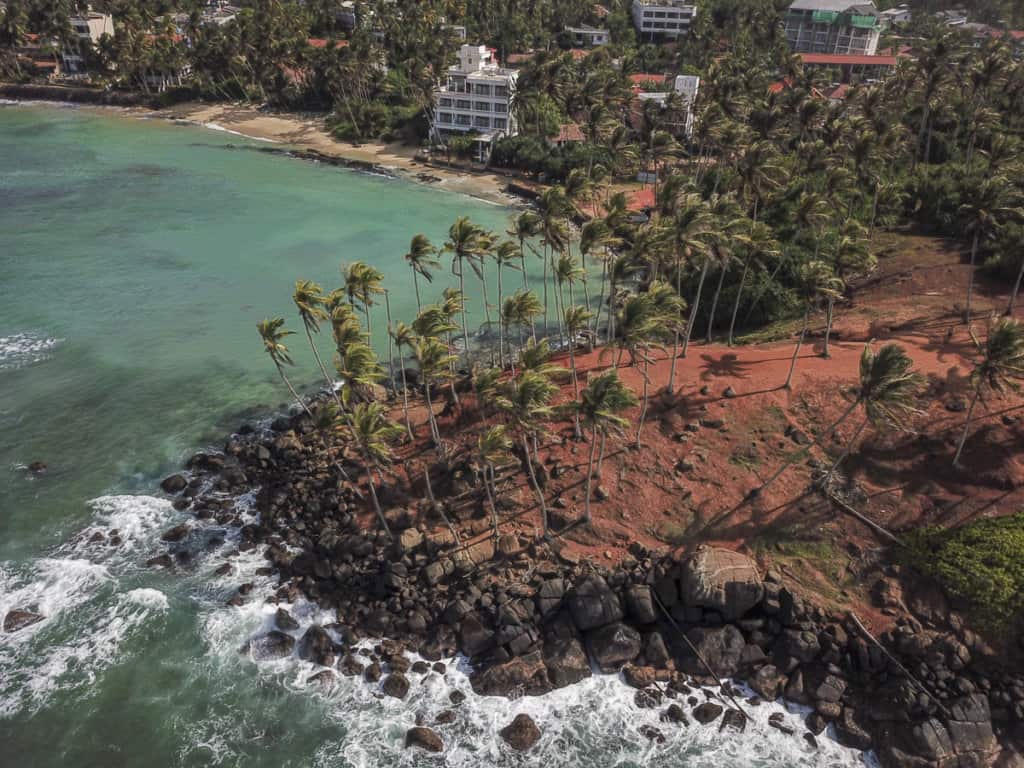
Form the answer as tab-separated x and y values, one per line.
663	18
476	97
87	29
843	27
586	36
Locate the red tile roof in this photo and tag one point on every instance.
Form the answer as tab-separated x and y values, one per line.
319	42
641	77
569	132
579	53
839	59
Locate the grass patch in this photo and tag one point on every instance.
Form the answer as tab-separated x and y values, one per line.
777	331
981	563
816	562
744	461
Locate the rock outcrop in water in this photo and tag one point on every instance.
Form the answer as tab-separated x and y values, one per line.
530	622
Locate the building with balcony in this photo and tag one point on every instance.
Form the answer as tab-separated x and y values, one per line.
660	19
86	30
833	26
586	36
476	98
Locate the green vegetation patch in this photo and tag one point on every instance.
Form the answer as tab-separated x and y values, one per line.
981	562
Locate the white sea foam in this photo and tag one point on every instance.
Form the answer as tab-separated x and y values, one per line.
222	129
22	349
137	520
594	723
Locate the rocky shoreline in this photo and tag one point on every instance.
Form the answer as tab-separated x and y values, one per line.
531	618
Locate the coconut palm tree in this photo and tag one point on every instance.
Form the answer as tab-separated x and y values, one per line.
507	254
465	242
362	283
885	389
309	300
273	333
526	403
596	237
359	370
599	406
433	360
689	232
816	283
576	319
526	226
567	271
552	210
1000	366
403	335
371	432
761	247
491	447
520	309
421	258
986	209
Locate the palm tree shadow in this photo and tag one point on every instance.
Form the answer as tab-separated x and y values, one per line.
728	364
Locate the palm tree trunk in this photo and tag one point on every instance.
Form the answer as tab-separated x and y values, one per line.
323	370
835	425
1016	289
416	285
391	357
291	389
590	476
487	308
536	486
600	455
967	425
846	451
874	209
970	280
696	304
736	304
545	278
434	434
796	352
828	326
501	325
575	388
376	501
675	334
462	301
643	407
600	299
490	501
761	293
714	301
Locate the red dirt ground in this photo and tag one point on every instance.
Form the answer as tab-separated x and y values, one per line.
913	300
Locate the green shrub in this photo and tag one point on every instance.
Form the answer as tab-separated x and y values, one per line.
981	563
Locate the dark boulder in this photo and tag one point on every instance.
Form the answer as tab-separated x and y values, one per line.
674	714
395	685
721	647
273	645
850	732
317	646
177	533
733	720
285	620
522	733
474	636
19	619
549	596
767	682
424	738
706	712
566	661
640	604
593	604
613	645
523	675
174	484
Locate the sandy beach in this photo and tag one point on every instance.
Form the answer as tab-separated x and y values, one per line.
310	132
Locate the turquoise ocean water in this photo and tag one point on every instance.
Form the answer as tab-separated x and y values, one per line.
135	258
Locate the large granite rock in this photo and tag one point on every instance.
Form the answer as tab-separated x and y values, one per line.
592	604
723	581
566	661
522	733
964	740
613	645
424	738
721	647
524	675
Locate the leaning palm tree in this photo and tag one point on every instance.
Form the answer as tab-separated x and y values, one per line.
359	370
567	271
599	405
465	242
371	432
1000	366
433	360
761	247
886	390
403	335
526	226
986	209
421	258
520	309
576	319
507	254
816	283
492	446
362	283
273	333
526	402
309	300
